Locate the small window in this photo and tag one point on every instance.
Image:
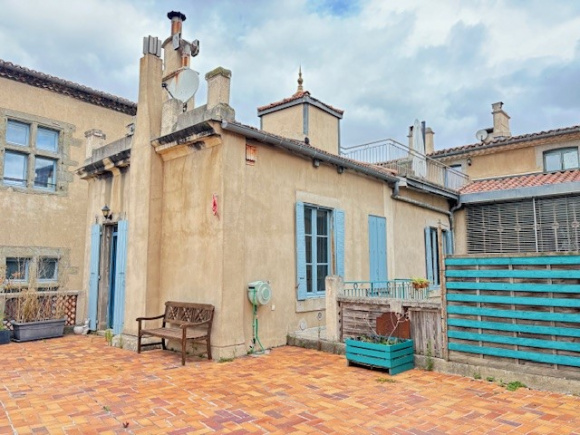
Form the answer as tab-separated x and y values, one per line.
316	225
17	269
561	159
47	139
15	168
44	173
17	133
48	269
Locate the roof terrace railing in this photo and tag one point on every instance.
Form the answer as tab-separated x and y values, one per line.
407	162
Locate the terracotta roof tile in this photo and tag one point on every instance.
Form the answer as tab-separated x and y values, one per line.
520	181
18	73
297	96
505	141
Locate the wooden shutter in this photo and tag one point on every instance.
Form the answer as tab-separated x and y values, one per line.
300	252
377	248
94	275
339	242
120	272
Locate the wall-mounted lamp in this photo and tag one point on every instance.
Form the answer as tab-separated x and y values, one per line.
315	163
469	161
106	212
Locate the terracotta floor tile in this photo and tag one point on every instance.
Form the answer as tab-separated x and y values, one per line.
78	385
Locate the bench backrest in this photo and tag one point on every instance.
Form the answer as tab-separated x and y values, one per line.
178	313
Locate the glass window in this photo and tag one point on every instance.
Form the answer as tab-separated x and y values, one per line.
47	139
17	269
44	173
48	269
15	168
317	240
561	159
17	133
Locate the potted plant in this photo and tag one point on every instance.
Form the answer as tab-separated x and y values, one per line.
38	315
5	333
394	354
419	283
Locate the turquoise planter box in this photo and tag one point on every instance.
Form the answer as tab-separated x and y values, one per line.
396	358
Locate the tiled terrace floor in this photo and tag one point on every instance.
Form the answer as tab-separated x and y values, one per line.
78	385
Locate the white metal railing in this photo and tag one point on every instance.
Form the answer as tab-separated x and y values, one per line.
407	162
394	289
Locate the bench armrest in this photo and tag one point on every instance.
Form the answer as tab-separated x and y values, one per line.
139	319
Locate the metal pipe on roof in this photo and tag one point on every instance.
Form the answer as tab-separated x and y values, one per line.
307	151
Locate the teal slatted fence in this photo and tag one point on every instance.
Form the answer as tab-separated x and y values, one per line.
522	310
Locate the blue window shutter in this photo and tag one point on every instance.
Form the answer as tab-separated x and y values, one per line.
429	254
120	269
300	252
448	242
94	275
377	248
339	242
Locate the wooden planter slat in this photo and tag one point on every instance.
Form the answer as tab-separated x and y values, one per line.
395	358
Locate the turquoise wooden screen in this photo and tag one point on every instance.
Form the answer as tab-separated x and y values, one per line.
515	308
94	275
120	269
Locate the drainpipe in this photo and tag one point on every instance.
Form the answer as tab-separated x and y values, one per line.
449	213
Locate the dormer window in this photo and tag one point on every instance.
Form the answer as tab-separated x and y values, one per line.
561	159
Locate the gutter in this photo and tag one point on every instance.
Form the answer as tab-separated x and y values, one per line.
307	151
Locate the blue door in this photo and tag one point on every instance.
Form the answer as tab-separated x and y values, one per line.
378	248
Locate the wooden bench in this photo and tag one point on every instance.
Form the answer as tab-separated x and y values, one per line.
182	321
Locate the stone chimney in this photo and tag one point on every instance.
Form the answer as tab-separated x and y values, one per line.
429	142
410	137
501	121
218	87
94	139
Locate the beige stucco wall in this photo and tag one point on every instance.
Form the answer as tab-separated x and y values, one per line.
409	223
506	161
323	130
54	220
211	259
287	122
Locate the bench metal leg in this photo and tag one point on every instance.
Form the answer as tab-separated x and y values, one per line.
208	349
183	347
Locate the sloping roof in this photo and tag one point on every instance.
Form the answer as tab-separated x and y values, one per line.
18	73
298	96
520	181
505	141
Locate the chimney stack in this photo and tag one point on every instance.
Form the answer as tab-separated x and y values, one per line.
218	87
501	121
177	19
429	142
95	139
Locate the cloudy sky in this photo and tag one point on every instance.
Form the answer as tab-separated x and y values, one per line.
385	63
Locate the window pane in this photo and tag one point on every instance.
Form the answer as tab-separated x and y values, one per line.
17	269
307	220
47	269
322	222
47	139
44	173
570	159
322	271
552	162
15	168
17	133
309	279
322	249
309	249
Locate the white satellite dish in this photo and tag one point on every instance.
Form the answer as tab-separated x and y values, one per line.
481	135
184	84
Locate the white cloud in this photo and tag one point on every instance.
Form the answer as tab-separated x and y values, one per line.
384	63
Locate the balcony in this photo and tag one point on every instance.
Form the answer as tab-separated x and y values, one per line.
407	162
394	289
